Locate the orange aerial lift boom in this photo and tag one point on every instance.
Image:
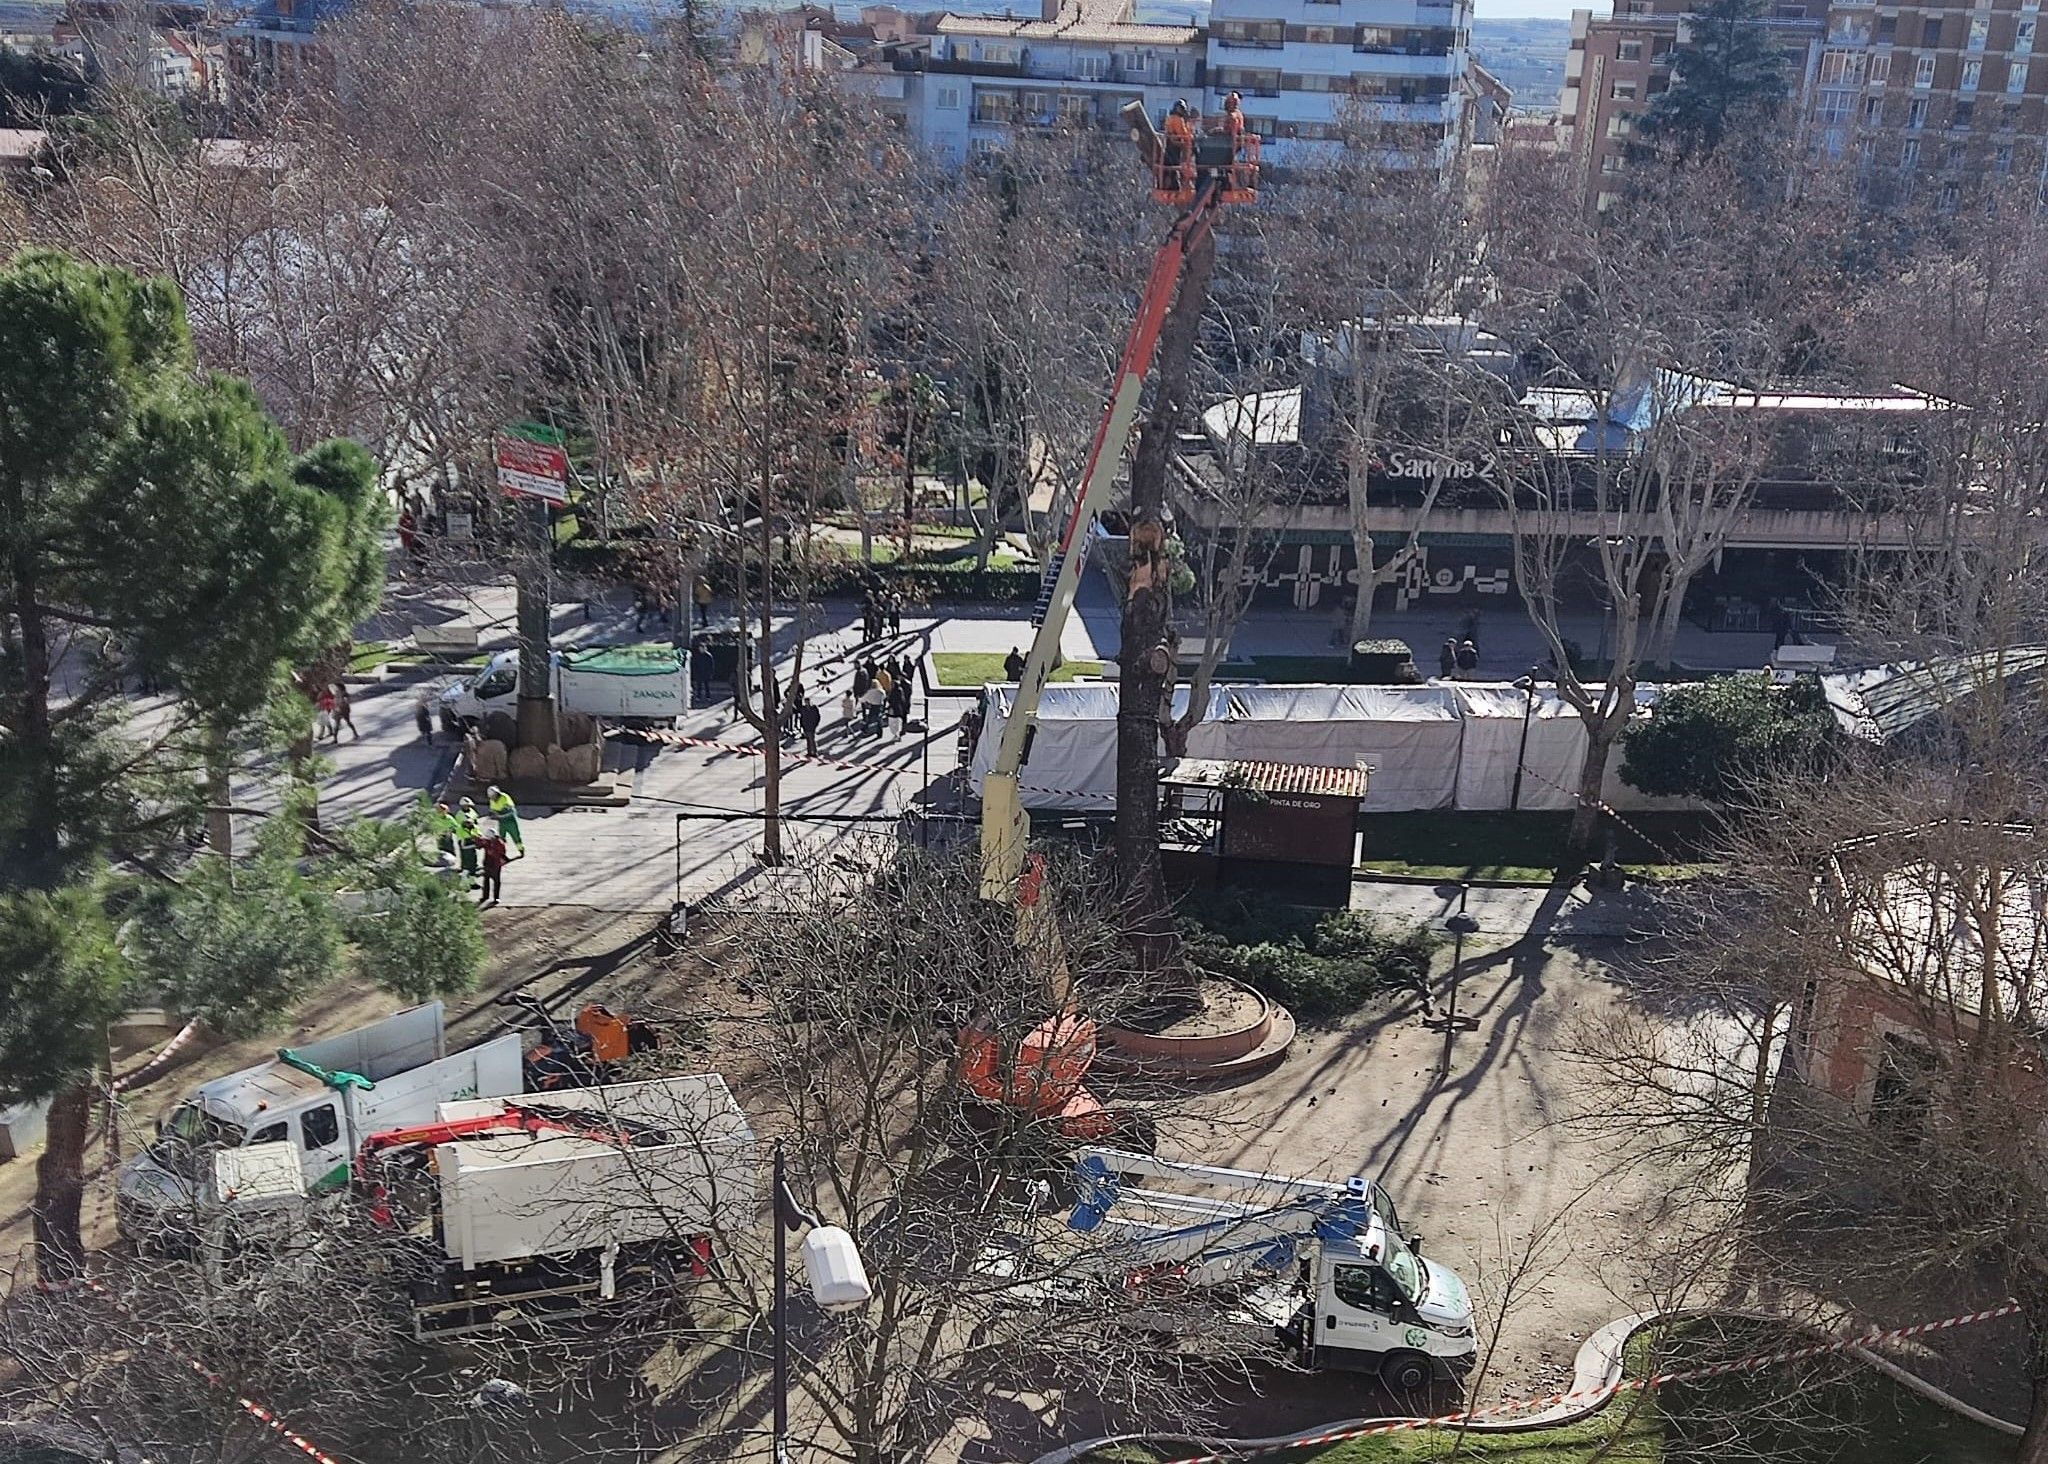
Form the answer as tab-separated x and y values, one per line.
1044	1076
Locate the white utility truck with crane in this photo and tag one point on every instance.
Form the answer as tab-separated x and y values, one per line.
542	1206
1324	1264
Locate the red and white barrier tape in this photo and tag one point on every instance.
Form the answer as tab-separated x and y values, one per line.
1627	1385
249	1406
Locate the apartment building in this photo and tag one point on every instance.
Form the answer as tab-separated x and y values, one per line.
970	82
1315	73
1931	97
1618	63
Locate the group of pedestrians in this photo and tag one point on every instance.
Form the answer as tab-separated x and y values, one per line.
482	852
881	612
879	696
333	711
1458	659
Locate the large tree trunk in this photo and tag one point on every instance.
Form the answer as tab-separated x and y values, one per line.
1145	661
533	581
771	703
220	790
60	1186
1600	739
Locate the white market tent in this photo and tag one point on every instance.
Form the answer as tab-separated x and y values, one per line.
1441	745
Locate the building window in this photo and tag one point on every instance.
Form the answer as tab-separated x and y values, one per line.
2023	38
1866	150
1887	29
1624	91
1880	68
1089	67
1606	201
1916	114
1628	50
1375	38
949	99
2001	160
1909	155
1620	125
1951	195
1923	72
1930	32
1963	115
1073	107
2016	78
1952	156
1169	71
1841	68
1980	31
1873	111
1973	72
1833	109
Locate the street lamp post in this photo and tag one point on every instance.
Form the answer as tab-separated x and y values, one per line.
839	1282
1527	686
1460	925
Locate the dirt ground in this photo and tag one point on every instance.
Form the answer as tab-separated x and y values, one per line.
1481	1164
1485	1164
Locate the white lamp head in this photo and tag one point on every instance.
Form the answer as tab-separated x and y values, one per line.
839	1279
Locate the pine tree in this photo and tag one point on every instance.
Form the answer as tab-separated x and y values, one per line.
1729	71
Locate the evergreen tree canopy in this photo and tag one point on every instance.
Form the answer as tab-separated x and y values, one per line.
1728	71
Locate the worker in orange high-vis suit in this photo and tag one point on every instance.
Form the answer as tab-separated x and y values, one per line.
1179	161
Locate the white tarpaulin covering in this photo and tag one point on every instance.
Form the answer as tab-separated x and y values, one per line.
1406	735
1443	745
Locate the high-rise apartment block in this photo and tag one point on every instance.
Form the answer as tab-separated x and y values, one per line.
1914	97
1618	63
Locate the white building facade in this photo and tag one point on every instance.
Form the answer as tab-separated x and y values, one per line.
985	77
1312	73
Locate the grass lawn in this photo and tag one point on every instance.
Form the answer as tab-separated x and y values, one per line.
978	668
1867	1420
1527	846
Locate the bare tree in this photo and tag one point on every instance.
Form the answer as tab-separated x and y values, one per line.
1636	450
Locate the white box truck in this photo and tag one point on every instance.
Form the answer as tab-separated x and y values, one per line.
554	1204
628	685
323	1099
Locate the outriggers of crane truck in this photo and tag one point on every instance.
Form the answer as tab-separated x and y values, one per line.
1044	1075
1325	1264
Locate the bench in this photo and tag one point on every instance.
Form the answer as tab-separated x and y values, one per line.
455	638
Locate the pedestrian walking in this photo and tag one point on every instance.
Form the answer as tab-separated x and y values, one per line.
344	712
1447	659
899	709
895	612
1468	657
423	715
492	848
872	703
863	677
506	813
807	717
700	675
906	673
701	594
870	619
885	678
1013	665
643	606
323	722
847	707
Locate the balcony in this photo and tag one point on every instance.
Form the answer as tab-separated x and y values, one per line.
954	66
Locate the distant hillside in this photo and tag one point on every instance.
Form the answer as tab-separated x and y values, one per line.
1528	55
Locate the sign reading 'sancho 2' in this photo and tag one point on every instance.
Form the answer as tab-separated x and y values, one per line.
1405	465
